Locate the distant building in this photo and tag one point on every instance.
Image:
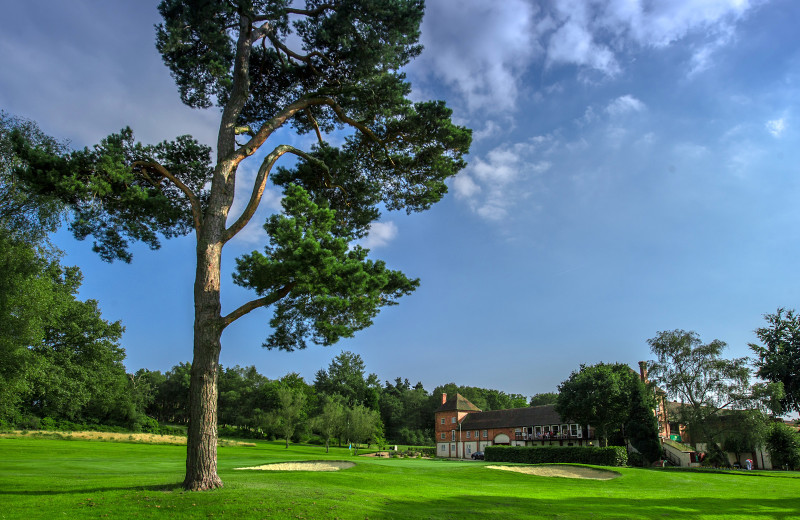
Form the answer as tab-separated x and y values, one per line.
462	428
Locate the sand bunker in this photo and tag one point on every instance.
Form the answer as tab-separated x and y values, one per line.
312	465
561	471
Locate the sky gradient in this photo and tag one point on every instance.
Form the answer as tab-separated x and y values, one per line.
634	169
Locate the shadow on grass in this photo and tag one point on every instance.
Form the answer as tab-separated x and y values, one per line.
733	473
79	491
472	506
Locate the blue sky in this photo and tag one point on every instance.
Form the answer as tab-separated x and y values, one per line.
634	169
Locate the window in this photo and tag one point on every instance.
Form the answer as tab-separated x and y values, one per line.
573	430
485	434
444	446
467	434
442	435
476	434
442	420
453	448
452	420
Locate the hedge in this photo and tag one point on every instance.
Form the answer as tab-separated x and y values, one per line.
610	456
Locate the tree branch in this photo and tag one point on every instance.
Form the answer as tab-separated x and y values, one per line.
260	184
255	304
302	12
197	213
278	121
305	58
316	126
311	12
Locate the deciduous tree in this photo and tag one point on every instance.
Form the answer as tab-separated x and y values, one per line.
779	357
598	395
331	421
290	412
362	425
783	444
544	398
705	383
326	67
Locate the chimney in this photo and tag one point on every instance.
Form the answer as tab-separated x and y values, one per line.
444	398
643	371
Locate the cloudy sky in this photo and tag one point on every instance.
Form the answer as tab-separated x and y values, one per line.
634	169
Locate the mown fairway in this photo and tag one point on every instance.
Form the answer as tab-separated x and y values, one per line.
43	478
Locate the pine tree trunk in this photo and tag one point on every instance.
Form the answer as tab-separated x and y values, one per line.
201	455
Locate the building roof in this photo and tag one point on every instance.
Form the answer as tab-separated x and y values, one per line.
513	417
458	403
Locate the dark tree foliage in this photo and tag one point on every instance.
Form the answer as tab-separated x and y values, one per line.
405	413
544	398
320	67
599	395
783	444
641	427
59	358
745	431
346	377
778	359
24	213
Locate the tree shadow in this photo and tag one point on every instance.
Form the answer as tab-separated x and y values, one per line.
484	506
79	491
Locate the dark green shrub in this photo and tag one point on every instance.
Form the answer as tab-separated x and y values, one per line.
783	444
428	452
610	456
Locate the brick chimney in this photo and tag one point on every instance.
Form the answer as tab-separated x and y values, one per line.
444	398
643	371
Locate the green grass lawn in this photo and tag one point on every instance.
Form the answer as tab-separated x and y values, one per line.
45	478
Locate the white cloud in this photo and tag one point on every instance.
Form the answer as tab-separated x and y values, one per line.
625	105
494	184
480	49
491	129
574	41
380	234
776	127
465	187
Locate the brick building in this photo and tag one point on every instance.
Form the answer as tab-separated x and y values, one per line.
462	428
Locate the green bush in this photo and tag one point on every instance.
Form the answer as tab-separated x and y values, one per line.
610	456
783	444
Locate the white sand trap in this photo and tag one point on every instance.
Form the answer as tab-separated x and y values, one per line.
559	470
312	465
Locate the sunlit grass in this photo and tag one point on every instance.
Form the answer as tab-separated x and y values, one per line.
52	478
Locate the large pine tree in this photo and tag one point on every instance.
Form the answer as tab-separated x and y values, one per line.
328	67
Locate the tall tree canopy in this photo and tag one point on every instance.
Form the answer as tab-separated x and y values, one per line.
58	357
599	395
22	212
346	377
328	66
697	375
779	356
